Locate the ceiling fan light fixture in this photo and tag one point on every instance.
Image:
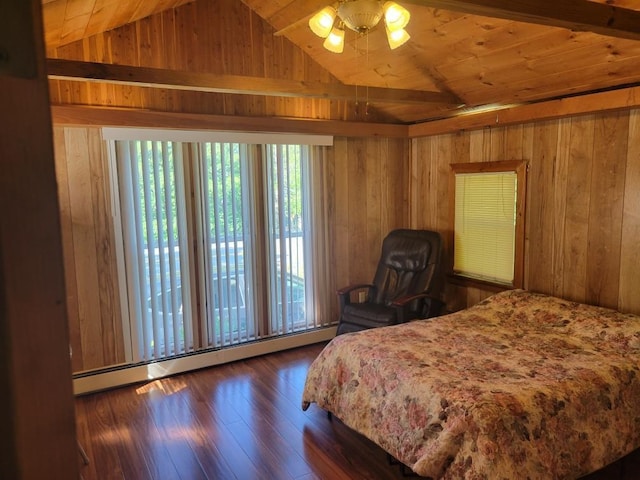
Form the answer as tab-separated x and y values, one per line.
360	15
322	22
396	17
397	38
335	40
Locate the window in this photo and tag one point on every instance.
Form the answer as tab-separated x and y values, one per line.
216	243
488	209
150	178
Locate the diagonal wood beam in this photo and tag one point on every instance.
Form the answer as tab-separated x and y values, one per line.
579	15
60	69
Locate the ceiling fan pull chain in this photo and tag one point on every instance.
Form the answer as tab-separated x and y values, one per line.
357	44
366	105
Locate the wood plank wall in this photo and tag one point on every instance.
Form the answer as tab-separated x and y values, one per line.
366	180
583	213
93	302
583	202
371	199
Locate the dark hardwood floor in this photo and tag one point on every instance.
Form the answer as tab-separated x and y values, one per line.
237	421
242	420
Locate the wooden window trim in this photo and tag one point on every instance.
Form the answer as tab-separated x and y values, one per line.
520	167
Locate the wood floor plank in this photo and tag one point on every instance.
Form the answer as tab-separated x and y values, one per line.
241	421
176	435
134	415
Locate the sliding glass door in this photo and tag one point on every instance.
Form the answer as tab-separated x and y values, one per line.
216	244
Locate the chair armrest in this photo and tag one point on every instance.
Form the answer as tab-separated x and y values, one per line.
400	304
402	301
344	293
351	288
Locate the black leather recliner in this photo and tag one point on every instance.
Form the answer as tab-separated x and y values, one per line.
407	284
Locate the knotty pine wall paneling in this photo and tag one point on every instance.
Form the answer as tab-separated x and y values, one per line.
611	134
371	199
629	299
583	213
572	255
366	182
66	226
540	240
95	321
583	206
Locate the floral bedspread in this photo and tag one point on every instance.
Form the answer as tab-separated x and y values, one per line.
521	385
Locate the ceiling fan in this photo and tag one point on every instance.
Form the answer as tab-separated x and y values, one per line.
361	16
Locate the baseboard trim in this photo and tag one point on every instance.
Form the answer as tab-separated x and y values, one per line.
103	380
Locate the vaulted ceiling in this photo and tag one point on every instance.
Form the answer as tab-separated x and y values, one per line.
463	54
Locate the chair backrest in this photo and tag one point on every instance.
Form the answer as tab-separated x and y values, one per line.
409	264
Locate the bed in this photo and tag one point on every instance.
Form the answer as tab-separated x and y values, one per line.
521	385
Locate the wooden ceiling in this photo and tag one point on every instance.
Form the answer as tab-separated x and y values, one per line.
463	56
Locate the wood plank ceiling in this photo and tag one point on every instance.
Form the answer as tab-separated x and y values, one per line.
464	60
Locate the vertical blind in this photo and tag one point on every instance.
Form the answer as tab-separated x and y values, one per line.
227	248
154	230
217	242
288	233
485	221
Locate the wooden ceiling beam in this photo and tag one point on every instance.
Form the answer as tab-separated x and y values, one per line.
61	69
613	100
134	117
578	15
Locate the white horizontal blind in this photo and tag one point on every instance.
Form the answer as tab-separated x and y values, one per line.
150	183
485	225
